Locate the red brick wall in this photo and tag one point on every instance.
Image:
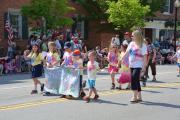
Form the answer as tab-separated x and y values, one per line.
162	16
106	39
5	4
94	38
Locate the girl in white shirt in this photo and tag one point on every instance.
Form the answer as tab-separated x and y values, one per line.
137	51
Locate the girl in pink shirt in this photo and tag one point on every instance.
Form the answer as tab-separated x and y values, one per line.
113	63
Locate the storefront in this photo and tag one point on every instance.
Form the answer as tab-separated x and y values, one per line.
157	30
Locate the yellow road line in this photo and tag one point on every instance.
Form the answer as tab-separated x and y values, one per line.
58	100
31	104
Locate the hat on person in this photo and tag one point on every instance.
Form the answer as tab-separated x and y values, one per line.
67	45
76	53
36	44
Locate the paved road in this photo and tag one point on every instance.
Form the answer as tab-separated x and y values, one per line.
161	100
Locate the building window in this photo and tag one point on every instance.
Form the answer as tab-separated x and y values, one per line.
18	22
167	7
80	28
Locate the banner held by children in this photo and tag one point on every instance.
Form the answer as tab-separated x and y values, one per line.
53	76
70	83
63	81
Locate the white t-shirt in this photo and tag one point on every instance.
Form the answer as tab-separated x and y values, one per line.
68	58
178	56
126	42
136	55
116	42
92	70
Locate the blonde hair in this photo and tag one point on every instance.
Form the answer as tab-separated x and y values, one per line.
138	38
53	45
92	52
113	46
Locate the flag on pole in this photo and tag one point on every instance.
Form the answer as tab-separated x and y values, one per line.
9	29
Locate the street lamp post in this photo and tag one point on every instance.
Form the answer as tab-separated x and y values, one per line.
177	5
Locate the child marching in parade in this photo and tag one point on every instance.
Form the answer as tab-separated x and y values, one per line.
92	68
67	61
177	56
37	67
78	64
113	63
125	76
52	60
67	57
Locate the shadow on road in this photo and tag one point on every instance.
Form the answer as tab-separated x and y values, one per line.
14	78
156	81
150	91
100	101
167	105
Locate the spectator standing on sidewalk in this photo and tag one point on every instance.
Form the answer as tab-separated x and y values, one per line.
151	58
127	38
115	41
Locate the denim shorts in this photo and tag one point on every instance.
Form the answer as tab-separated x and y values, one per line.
178	65
91	83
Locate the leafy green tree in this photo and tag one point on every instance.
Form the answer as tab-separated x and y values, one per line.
155	5
52	11
127	14
102	6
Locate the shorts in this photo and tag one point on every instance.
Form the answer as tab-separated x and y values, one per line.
178	65
37	71
91	84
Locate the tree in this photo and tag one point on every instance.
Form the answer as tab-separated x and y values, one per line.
102	6
155	5
126	14
51	11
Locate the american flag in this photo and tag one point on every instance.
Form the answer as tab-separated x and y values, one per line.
9	29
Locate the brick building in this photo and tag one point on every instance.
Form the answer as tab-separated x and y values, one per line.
19	23
162	25
94	32
90	30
